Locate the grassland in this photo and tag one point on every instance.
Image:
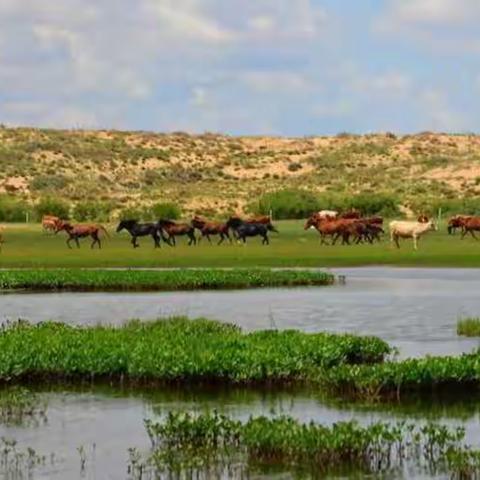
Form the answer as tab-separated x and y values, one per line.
157	280
26	246
211	174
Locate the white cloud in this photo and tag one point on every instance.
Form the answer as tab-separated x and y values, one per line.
393	84
16	113
187	19
275	81
443	26
199	97
437	114
431	12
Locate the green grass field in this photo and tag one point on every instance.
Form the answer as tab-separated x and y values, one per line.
28	246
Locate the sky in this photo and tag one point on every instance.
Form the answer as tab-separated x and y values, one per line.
241	67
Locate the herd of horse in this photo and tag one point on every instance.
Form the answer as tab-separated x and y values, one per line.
350	227
166	230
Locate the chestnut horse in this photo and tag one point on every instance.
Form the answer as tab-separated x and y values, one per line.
82	230
173	229
49	222
208	228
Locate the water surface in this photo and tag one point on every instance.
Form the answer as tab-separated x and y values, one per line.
413	309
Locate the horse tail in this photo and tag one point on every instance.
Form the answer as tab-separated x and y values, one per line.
272	228
104	230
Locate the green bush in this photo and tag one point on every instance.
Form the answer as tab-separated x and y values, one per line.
52	206
431	206
135	213
13	210
166	210
366	203
285	204
375	204
49	182
95	211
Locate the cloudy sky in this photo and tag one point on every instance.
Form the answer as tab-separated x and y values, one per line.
287	67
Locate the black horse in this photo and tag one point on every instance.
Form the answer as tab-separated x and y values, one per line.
136	229
243	229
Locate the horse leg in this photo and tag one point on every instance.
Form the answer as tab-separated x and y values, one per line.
473	234
134	241
96	240
207	236
69	239
156	240
222	238
395	237
77	242
265	241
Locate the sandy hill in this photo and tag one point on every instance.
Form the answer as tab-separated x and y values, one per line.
209	172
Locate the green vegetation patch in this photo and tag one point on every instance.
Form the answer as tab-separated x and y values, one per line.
177	349
469	327
210	442
157	280
392	379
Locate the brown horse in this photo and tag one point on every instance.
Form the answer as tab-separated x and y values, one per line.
332	228
423	218
173	229
49	223
353	213
82	230
208	228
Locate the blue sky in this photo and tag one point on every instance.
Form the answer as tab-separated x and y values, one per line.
282	67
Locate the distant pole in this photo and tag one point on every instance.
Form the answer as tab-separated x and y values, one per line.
439	214
271	214
26	217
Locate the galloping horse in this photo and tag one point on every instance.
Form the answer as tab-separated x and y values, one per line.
211	228
82	230
243	229
173	229
263	220
49	222
136	229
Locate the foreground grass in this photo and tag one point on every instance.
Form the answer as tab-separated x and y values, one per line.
138	280
177	350
211	443
26	246
469	327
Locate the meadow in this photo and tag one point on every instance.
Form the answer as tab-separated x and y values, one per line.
26	246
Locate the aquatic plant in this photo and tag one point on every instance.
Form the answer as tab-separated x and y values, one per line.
211	442
17	464
393	379
20	406
157	280
176	349
469	327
